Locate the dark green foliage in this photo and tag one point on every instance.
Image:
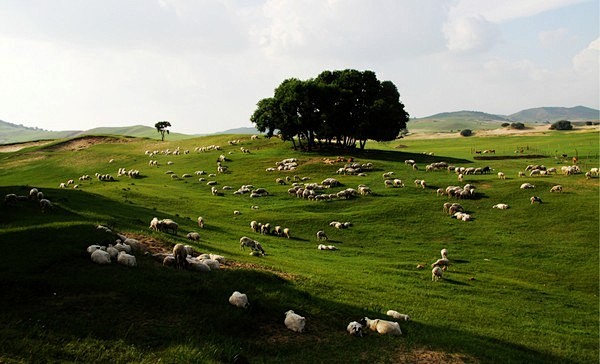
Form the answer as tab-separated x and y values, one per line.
517	125
339	108
466	132
561	125
161	127
504	125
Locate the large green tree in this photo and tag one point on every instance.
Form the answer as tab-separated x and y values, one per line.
341	107
161	127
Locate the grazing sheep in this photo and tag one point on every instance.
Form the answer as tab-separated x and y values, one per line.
10	199
180	254
239	300
383	327
200	222
294	322
526	186
521	174
154	224
500	206
255	226
321	235
237	212
501	175
436	274
46	205
168	225
286	233
355	328
557	188
33	193
193	236
126	259
100	256
534	199
443	263
444	253
265	229
397	315
253	244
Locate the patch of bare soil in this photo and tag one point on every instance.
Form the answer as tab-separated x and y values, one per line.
423	356
85	142
16	147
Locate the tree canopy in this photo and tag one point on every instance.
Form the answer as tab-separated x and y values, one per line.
335	108
161	127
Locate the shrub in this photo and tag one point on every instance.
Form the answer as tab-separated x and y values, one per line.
517	126
466	132
561	125
504	125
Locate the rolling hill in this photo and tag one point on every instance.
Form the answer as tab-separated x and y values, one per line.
552	114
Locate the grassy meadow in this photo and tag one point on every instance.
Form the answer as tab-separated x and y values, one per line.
522	288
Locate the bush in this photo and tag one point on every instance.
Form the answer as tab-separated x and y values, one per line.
504	125
466	132
562	125
517	126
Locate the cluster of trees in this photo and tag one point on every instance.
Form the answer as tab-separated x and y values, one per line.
561	125
335	108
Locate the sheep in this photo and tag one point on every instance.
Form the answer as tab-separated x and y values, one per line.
200	222
557	188
397	315
255	226
286	233
100	256
294	322
33	193
196	265
112	251
436	274
46	205
10	199
588	175
253	244
443	263
355	328
213	264
500	206
265	229
321	235
154	224
193	236
180	254
534	199
521	174
444	253
383	327
526	186
168	225
501	175
126	259
326	247
239	300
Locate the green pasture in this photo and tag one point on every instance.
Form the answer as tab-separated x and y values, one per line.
522	287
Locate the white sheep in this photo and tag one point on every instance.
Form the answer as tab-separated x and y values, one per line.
253	244
294	322
443	263
154	224
100	256
534	199
321	235
526	186
180	255
397	315
500	206
501	175
45	204
239	300
286	233
556	188
444	253
114	253
383	327
436	273
200	222
355	328
197	265
126	259
193	236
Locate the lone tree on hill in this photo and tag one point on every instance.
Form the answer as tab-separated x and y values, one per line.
340	108
161	127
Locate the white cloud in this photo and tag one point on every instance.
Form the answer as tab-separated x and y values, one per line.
588	60
554	37
470	33
506	10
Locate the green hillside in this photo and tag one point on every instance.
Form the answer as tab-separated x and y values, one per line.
552	114
452	122
522	285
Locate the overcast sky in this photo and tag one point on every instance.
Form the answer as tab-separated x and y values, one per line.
203	65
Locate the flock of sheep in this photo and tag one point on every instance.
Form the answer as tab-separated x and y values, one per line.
12	199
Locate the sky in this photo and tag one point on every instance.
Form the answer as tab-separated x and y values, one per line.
203	65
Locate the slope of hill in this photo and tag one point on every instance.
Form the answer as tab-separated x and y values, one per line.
13	133
449	122
139	131
551	114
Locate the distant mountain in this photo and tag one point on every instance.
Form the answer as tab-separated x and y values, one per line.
468	115
552	114
13	133
243	130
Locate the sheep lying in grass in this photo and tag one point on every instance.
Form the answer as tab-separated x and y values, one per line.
436	274
239	300
557	188
100	256
294	322
397	315
326	247
383	327
527	186
355	328
126	259
500	206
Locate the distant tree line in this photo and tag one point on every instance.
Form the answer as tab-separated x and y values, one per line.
339	108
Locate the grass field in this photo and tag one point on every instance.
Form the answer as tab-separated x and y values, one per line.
522	287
